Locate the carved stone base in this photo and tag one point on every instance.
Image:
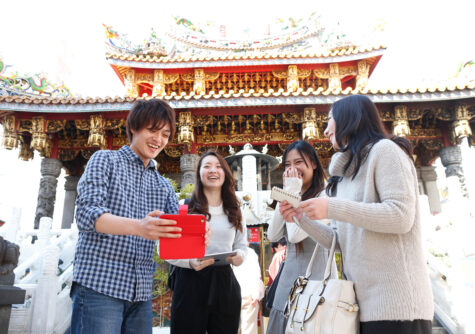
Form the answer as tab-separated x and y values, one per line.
70	186
50	170
188	164
429	178
451	158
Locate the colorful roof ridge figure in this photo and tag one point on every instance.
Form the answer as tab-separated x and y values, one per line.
30	85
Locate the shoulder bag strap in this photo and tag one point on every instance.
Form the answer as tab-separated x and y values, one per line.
328	268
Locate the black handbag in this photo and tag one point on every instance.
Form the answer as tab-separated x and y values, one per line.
171	277
268	300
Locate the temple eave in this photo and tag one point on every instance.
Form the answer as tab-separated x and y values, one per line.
236	60
221	100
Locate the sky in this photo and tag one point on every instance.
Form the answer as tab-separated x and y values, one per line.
426	41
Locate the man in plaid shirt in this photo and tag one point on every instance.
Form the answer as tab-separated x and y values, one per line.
120	197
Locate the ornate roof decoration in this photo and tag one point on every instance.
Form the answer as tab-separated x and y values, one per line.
120	44
349	53
27	85
237	99
184	40
466	71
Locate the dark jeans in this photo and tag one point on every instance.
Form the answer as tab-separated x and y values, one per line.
396	327
96	313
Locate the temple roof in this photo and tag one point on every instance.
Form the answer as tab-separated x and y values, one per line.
246	59
181	41
238	99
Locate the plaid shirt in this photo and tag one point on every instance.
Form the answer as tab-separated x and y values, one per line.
117	182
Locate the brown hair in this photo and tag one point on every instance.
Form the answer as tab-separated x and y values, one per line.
199	202
154	112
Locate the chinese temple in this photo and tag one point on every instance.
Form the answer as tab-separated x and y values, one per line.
227	93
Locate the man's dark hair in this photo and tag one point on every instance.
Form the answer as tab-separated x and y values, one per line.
276	244
153	113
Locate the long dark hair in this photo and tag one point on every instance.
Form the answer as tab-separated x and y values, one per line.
307	152
358	128
199	202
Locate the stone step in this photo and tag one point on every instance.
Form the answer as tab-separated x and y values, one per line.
438	330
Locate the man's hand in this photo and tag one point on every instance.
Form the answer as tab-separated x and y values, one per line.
235	260
200	264
153	228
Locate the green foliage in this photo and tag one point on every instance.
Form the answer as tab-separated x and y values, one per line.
173	183
186	191
160	274
338	263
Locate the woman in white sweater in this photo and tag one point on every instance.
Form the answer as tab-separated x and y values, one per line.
207	297
374	208
303	175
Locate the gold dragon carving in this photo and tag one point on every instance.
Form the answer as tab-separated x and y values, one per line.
334	73
199	78
96	132
185	128
26	153
39	136
363	75
53	126
10	136
130	84
174	151
160	79
461	125
401	123
292	75
310	126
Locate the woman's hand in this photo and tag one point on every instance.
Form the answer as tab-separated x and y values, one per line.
290	172
208	234
289	212
200	264
315	208
235	260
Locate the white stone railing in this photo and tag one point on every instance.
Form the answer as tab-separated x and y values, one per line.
47	307
442	291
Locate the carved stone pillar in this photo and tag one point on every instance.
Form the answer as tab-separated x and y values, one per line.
50	170
70	186
429	178
451	158
188	164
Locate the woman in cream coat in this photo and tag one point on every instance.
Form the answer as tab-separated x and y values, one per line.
374	204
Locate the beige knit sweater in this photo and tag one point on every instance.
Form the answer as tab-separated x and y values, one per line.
377	219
